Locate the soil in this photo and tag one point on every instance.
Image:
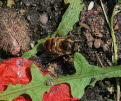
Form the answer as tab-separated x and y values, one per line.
44	16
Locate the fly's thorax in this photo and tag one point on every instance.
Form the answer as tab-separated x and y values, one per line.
67	46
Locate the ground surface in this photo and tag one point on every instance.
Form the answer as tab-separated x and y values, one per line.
95	43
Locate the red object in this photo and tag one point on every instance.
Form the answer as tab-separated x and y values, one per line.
17	71
59	92
22	98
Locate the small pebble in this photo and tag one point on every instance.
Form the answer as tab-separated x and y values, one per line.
43	18
91	5
97	43
32	45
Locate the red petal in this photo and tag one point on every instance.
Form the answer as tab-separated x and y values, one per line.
15	71
59	93
23	98
20	98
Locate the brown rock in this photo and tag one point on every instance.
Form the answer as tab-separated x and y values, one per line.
97	43
14	32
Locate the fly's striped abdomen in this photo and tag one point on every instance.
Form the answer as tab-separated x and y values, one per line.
53	45
50	44
47	44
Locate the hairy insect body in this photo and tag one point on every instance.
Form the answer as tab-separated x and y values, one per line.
59	45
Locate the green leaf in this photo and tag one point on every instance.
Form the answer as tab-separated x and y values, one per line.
109	100
38	47
35	88
84	74
70	17
78	81
119	1
33	51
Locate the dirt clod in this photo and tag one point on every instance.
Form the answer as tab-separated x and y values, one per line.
43	18
97	34
14	32
97	43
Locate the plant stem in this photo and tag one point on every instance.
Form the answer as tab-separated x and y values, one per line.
10	3
115	55
110	24
105	13
118	88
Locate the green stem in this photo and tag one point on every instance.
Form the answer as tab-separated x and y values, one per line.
118	89
10	3
105	13
110	24
115	49
115	56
